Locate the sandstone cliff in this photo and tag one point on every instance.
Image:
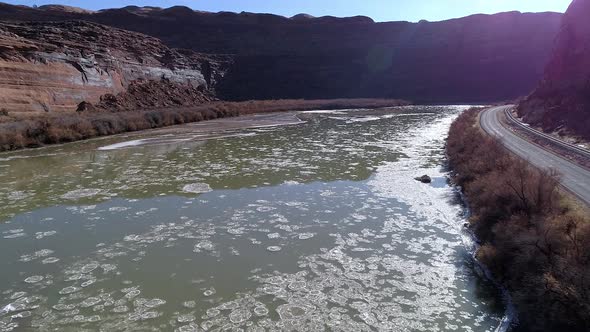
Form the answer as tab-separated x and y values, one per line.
473	59
53	66
562	99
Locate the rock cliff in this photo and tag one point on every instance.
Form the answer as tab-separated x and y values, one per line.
473	59
53	66
561	101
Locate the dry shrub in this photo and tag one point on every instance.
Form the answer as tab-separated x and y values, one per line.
12	140
531	242
84	128
60	128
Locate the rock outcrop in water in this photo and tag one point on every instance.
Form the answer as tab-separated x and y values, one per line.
562	99
472	59
53	66
424	179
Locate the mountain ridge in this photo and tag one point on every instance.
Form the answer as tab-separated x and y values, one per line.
143	9
479	58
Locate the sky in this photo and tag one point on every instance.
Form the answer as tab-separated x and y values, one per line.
379	10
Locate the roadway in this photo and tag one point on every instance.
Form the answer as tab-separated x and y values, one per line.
574	178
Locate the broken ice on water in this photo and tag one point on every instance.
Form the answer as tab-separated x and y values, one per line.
318	226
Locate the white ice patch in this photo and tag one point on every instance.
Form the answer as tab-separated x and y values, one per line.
15	235
122	145
40	235
18	195
80	193
325	112
37	254
386	116
209	292
34	279
197	188
306	236
8	308
396	179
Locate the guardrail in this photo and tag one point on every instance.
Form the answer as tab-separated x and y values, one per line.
568	146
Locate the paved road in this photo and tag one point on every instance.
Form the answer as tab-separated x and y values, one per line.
573	177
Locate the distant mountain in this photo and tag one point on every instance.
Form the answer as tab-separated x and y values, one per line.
562	99
62	8
479	58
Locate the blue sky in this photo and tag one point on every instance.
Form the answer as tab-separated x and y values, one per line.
380	10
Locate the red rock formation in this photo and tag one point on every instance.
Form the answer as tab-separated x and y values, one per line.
562	99
54	66
472	59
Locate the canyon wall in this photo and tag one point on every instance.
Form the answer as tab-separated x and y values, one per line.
479	58
53	66
473	59
561	102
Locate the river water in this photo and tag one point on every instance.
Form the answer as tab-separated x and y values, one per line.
316	224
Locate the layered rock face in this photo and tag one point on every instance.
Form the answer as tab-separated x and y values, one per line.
53	66
562	99
474	59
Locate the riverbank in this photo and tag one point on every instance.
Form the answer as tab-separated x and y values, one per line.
532	238
19	132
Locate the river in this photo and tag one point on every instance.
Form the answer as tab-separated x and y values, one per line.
305	222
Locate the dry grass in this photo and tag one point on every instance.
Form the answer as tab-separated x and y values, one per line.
534	241
67	127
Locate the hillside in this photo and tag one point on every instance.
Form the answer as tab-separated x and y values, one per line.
473	59
561	101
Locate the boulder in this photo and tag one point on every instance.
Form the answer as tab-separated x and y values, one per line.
85	107
424	179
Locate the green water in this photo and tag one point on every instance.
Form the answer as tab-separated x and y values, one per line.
312	226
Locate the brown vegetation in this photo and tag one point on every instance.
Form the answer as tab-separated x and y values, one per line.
533	242
68	127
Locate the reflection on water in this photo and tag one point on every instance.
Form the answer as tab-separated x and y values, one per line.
314	226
